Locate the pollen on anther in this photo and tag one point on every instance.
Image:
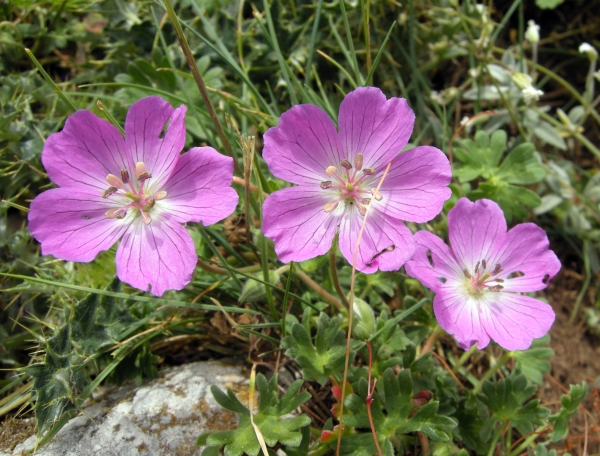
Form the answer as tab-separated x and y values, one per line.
326	184
346	164
140	169
160	195
330	170
109	191
125	176
331	206
114	181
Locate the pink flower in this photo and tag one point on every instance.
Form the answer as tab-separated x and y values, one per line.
337	172
478	282
139	188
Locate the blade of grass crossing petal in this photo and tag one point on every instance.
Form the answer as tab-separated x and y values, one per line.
110	117
353	61
251	389
216	252
339	67
275	43
313	39
49	80
379	54
332	112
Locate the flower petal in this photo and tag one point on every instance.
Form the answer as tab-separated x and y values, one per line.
199	190
86	151
526	250
295	220
374	126
386	243
433	263
70	224
155	135
156	257
476	231
416	186
459	314
302	146
513	321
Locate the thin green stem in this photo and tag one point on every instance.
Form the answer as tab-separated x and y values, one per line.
334	275
586	284
491	371
313	39
353	60
189	56
49	80
529	440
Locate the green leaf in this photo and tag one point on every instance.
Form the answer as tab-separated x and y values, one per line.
521	166
268	418
548	4
327	356
570	405
535	362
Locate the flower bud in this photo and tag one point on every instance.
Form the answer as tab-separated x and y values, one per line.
588	49
532	34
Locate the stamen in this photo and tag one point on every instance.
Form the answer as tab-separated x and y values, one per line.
376	194
484	264
326	184
109	191
331	206
330	170
114	181
160	195
145	217
149	205
497	269
140	169
496	288
369	171
118	213
477	267
125	176
358	161
467	275
346	164
362	209
142	177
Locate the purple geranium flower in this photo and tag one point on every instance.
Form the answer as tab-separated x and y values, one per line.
478	282
139	188
337	173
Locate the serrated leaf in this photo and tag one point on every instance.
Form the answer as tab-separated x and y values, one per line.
535	362
570	404
521	166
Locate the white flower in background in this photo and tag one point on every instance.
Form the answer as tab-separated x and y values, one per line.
523	82
586	48
533	32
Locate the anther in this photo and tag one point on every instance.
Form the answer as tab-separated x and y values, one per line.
125	176
109	191
142	177
118	213
484	264
330	206
160	195
346	164
496	288
330	170
145	217
358	161
149	205
326	184
376	194
362	209
140	169
369	171
114	181
497	269
467	275
477	267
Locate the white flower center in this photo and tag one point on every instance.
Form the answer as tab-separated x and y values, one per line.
352	185
142	201
481	280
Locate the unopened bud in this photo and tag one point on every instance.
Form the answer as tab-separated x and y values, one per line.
346	164
533	32
358	161
589	50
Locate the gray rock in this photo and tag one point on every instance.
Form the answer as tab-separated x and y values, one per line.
163	417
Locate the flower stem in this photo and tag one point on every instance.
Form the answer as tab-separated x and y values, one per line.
320	290
350	314
501	362
200	82
334	275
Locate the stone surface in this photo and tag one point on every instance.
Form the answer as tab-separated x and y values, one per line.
163	417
